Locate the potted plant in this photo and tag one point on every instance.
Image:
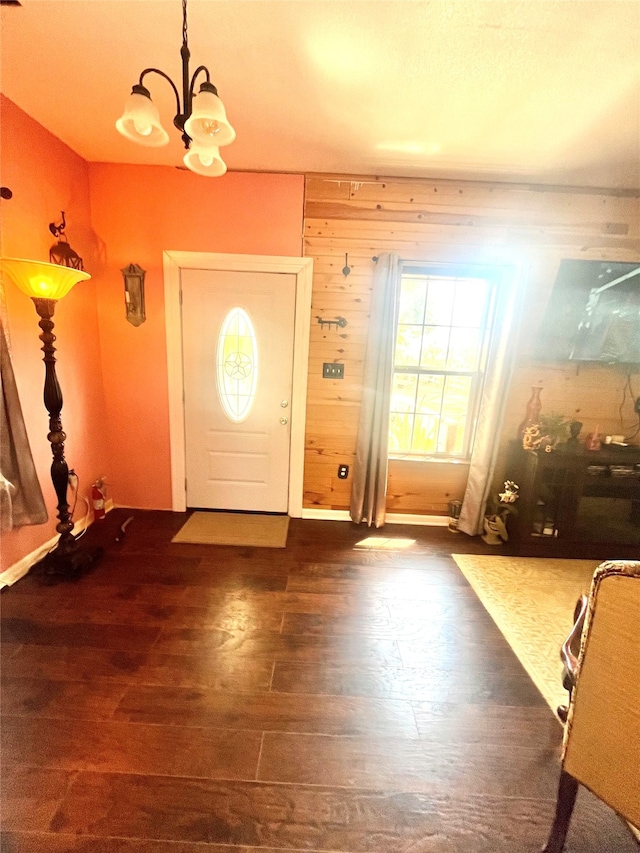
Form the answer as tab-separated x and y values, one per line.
495	523
551	430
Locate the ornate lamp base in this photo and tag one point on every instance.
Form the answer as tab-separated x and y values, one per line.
70	563
68	558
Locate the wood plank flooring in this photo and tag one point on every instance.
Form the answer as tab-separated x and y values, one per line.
186	698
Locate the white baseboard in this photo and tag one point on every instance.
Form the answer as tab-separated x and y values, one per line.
392	518
20	569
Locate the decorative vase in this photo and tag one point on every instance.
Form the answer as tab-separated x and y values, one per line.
495	531
532	412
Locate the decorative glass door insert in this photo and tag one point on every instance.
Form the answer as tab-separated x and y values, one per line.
237	365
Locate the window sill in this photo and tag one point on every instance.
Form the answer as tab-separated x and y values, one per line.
447	460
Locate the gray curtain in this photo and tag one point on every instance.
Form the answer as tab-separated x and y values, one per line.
21	500
369	487
492	407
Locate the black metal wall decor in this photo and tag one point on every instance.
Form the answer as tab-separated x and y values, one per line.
133	276
339	322
62	253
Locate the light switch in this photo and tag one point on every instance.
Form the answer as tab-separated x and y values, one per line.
332	370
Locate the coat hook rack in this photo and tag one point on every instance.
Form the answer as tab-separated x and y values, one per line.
339	322
346	269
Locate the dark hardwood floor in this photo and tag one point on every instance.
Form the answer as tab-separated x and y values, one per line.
198	699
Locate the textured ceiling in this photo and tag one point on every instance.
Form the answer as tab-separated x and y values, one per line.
545	91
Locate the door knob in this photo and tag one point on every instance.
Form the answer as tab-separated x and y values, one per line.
284	420
284	403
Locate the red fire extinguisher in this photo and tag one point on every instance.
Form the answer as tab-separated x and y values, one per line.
98	494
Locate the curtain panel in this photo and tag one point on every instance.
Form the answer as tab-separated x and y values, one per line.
369	488
486	444
21	500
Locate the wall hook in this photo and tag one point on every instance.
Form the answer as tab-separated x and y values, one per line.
339	322
346	269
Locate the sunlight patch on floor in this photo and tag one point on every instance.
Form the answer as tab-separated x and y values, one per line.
383	543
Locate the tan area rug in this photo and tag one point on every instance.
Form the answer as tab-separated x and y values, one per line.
531	600
233	528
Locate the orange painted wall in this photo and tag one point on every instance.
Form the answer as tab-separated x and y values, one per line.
137	213
46	177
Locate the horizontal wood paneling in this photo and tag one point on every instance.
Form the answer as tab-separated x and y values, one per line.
529	227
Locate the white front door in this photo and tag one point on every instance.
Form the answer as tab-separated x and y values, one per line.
237	346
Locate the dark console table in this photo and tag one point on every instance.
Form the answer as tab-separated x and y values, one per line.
552	513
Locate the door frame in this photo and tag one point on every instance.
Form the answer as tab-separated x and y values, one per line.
302	268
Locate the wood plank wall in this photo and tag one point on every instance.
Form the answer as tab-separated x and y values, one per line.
527	226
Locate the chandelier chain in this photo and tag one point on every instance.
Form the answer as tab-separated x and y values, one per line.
184	22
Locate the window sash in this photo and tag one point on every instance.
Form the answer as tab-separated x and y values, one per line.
477	377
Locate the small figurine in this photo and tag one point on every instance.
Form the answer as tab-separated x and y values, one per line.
593	440
531	437
574	430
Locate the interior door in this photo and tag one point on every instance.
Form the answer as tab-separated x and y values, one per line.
238	337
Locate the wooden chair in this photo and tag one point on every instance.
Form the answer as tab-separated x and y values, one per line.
601	746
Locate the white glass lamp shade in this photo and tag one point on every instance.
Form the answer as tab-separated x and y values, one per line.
140	121
208	125
40	280
205	161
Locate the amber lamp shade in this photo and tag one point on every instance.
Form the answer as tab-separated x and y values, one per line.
40	280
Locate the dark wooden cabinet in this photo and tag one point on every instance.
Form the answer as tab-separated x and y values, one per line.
574	498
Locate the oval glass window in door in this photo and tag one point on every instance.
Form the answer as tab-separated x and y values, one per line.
237	365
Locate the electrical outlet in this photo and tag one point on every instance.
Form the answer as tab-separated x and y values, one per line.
332	370
343	472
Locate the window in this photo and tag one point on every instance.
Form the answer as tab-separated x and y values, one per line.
444	325
237	365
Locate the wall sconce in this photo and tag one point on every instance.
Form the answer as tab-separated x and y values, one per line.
46	284
133	277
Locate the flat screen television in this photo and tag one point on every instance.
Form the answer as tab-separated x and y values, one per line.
593	314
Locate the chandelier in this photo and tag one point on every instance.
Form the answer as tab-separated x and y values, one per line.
201	118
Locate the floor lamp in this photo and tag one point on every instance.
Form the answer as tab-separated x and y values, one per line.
46	284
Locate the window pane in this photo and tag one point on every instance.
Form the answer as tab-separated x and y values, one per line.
400	429
412	297
464	350
430	395
470	300
435	346
408	346
237	365
403	392
455	406
439	301
425	434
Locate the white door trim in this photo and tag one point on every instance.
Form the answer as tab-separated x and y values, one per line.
302	268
